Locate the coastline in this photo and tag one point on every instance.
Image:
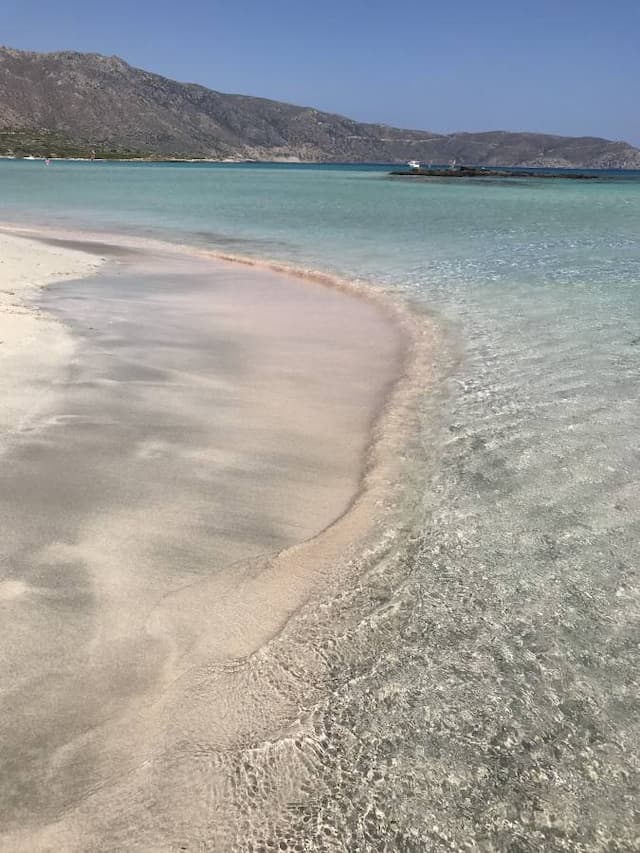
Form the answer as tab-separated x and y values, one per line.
328	558
415	332
33	344
477	683
296	161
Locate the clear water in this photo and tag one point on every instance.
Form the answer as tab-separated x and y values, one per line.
481	688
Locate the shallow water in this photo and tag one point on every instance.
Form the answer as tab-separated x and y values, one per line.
189	441
478	685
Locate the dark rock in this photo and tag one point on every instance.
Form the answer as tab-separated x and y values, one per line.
484	172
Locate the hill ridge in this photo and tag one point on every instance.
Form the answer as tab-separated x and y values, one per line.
76	102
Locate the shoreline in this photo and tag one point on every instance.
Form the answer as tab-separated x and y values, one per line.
291	161
268	589
414	334
32	342
412	328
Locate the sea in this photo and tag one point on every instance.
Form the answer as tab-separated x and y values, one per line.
480	687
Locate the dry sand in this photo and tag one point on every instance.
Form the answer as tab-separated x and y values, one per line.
33	347
186	469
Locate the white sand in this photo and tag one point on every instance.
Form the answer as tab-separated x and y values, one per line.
34	348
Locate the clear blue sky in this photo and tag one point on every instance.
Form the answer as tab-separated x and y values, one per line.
565	66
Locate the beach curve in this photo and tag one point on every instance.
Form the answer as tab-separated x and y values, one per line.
321	559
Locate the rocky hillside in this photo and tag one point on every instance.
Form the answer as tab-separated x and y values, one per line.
69	103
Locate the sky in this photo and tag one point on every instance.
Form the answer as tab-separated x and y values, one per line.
560	67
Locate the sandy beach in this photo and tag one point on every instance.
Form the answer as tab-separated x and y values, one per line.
34	348
189	459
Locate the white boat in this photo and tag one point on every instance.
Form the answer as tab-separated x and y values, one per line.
413	164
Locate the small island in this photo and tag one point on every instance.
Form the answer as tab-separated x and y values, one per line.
454	171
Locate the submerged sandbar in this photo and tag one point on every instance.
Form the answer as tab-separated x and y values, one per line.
211	418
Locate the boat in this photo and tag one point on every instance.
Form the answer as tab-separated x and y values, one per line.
413	164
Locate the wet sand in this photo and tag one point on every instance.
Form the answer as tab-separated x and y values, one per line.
198	475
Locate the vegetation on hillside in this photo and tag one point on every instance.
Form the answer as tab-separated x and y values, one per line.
23	142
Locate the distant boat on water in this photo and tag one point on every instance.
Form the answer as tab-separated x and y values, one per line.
413	164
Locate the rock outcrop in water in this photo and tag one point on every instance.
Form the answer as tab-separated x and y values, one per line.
485	172
70	103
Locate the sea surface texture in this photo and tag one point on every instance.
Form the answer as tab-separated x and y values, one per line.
475	686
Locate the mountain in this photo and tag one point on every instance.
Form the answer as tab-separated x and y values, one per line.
68	103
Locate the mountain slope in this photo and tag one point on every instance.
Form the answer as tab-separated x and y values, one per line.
86	101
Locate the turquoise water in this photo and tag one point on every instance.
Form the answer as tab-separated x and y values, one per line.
493	699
